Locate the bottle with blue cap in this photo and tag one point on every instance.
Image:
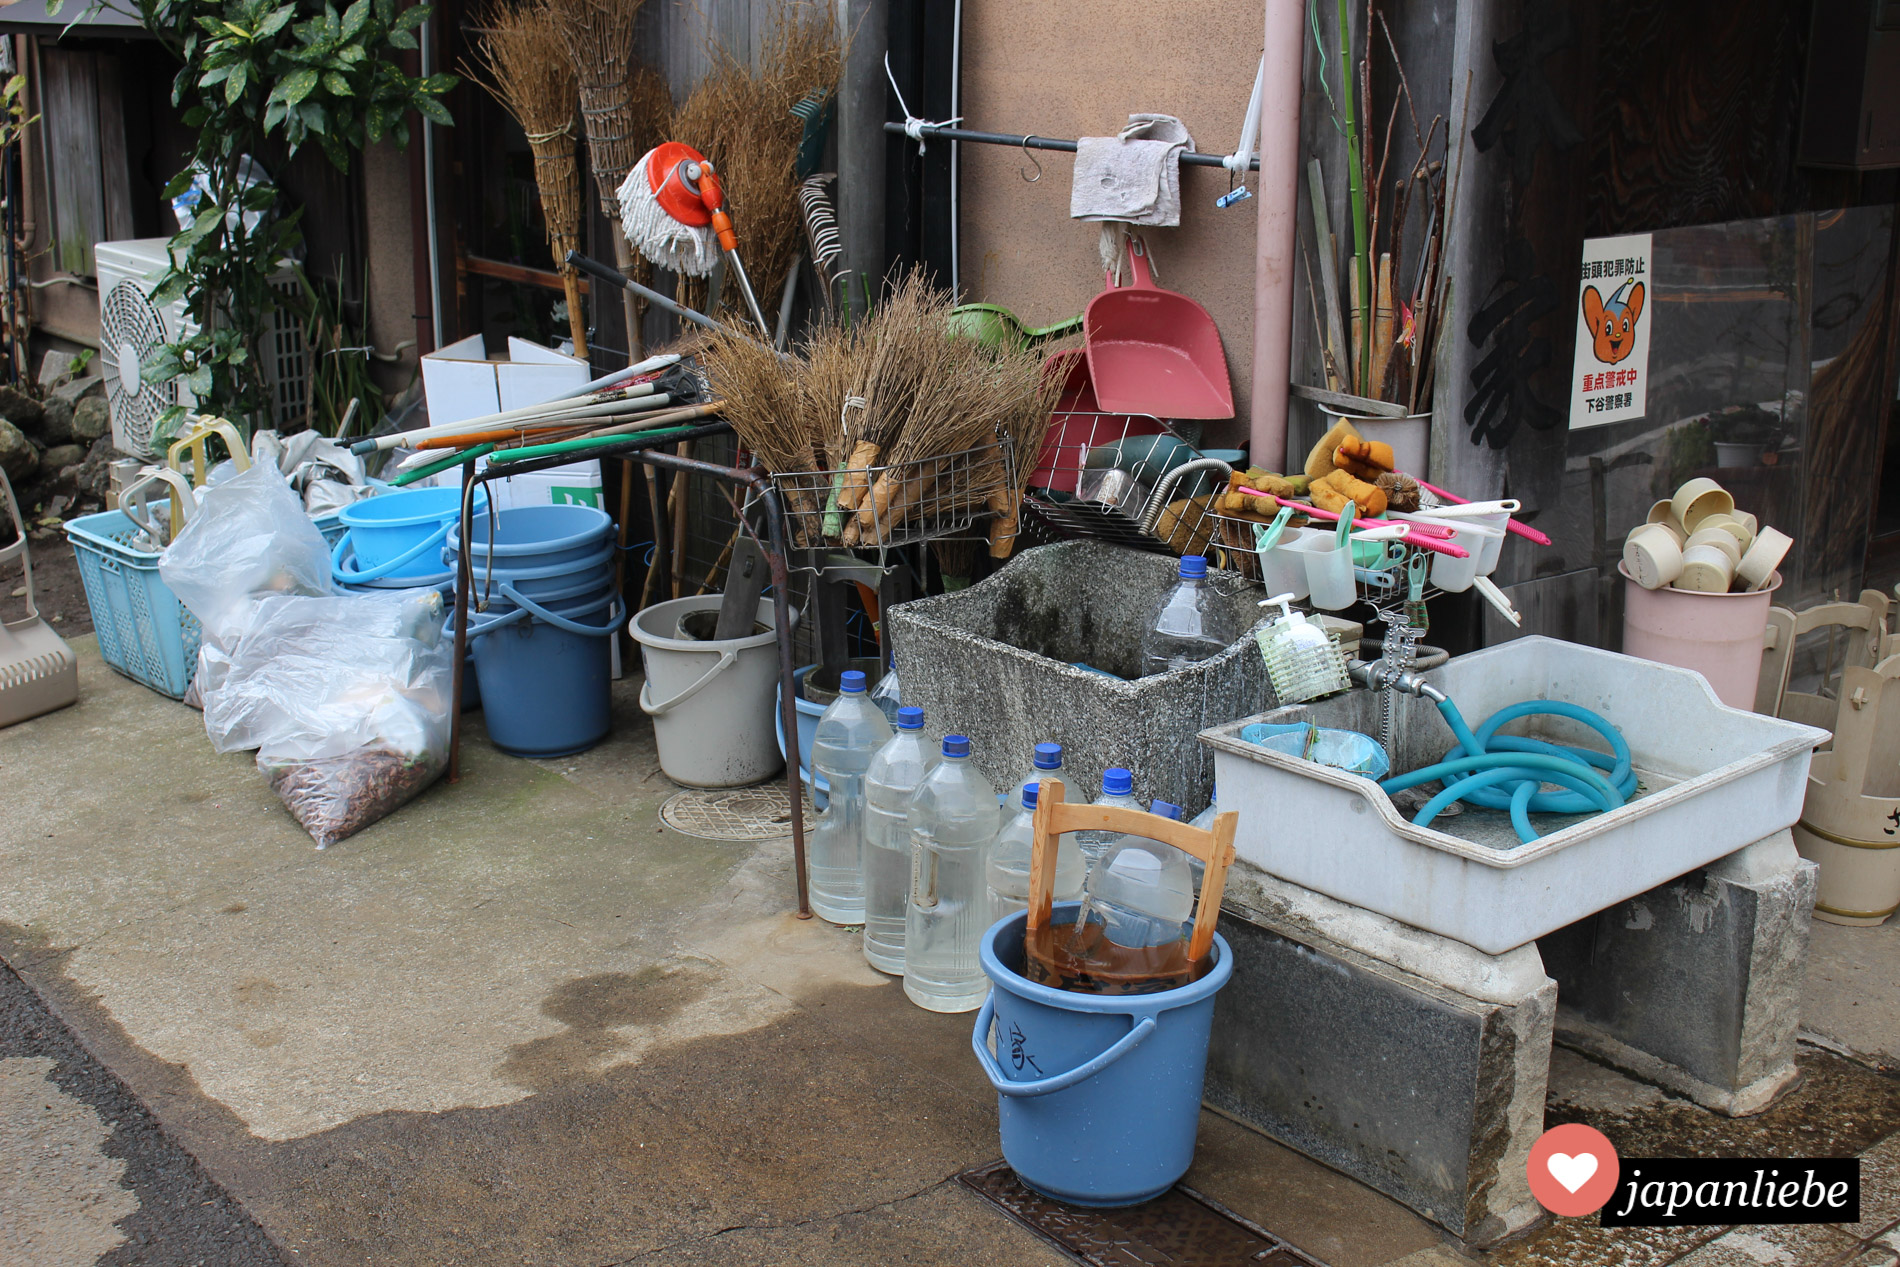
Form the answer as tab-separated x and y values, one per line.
1118	788
1045	763
1190	625
1010	857
849	734
953	820
1205	822
896	770
1141	893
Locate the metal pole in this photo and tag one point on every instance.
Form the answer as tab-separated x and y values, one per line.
464	582
1193	158
787	683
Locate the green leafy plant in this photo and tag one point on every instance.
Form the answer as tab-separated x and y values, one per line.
257	73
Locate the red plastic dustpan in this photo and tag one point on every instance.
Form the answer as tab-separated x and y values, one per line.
1154	351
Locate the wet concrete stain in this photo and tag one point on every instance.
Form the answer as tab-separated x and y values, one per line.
690	1144
593	1008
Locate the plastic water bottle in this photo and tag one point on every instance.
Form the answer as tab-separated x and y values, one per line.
1142	893
849	734
1204	821
1010	858
1189	626
953	819
885	695
1118	788
1046	764
896	770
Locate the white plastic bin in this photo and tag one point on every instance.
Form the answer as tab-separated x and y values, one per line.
1711	780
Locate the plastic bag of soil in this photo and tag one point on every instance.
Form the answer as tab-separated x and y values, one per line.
346	700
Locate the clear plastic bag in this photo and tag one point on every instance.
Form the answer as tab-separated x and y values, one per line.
249	539
346	700
1346	750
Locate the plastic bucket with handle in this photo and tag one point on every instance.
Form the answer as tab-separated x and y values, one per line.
544	670
397	535
1098	1095
712	702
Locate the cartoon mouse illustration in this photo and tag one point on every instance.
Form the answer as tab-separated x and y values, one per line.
1613	324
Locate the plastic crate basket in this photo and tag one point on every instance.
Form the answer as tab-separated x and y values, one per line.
144	632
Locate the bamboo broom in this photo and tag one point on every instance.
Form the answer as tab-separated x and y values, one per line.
599	39
521	60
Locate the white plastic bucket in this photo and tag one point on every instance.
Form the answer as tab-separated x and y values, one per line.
711	702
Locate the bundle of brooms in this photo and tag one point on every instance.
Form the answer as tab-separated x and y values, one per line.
894	423
521	60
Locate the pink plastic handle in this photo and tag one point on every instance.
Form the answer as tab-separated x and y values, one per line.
1141	276
1444	532
1523	530
1425	543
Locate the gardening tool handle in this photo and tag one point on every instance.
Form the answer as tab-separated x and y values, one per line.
381	570
524	603
727	659
986	1015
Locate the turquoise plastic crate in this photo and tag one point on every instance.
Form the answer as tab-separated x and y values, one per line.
144	631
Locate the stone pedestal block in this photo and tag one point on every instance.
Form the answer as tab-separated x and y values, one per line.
1695	985
1412	1063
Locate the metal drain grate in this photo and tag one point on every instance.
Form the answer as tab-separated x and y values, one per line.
746	813
1181	1227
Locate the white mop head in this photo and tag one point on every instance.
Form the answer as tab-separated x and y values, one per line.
690	250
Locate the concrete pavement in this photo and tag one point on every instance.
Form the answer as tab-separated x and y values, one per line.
522	1021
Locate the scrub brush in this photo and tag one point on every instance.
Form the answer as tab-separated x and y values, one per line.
1303	661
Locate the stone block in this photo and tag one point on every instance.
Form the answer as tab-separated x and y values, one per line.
1415	1064
1695	985
996	662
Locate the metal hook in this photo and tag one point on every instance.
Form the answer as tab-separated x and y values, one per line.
1027	178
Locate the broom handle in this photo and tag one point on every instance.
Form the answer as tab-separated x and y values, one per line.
576	316
623	256
745	288
665	302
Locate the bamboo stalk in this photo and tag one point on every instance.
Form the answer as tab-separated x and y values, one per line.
1382	327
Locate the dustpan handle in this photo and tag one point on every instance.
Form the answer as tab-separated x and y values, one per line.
1140	273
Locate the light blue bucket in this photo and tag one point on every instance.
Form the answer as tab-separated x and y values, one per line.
397	535
1098	1095
539	581
536	536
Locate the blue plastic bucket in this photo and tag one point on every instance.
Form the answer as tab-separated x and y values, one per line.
1098	1096
544	579
398	534
544	671
536	536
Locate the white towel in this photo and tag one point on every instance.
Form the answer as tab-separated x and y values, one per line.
1134	178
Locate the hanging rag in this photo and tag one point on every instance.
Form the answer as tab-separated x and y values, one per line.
1133	178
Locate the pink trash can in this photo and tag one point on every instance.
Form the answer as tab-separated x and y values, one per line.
1718	635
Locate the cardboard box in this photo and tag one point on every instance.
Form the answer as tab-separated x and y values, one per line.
461	381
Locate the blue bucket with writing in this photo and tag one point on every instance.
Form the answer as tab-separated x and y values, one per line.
1098	1095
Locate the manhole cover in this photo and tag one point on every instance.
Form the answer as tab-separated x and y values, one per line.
746	813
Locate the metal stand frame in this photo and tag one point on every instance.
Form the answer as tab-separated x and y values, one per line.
648	451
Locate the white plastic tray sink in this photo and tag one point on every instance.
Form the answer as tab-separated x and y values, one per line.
1711	780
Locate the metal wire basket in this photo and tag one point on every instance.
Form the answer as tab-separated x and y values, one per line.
926	499
1138	501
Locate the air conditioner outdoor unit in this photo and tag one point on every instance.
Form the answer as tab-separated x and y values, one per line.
132	329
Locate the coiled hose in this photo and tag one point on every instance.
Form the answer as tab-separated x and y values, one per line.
1509	772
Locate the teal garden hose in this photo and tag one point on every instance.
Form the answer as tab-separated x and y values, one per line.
1509	772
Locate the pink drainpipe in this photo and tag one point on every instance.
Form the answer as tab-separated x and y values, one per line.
1277	248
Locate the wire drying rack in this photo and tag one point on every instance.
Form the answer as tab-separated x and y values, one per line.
1140	502
938	498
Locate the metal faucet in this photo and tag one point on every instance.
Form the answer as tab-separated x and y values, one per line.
1381	675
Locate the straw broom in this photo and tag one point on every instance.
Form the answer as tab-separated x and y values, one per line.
741	118
522	62
599	39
